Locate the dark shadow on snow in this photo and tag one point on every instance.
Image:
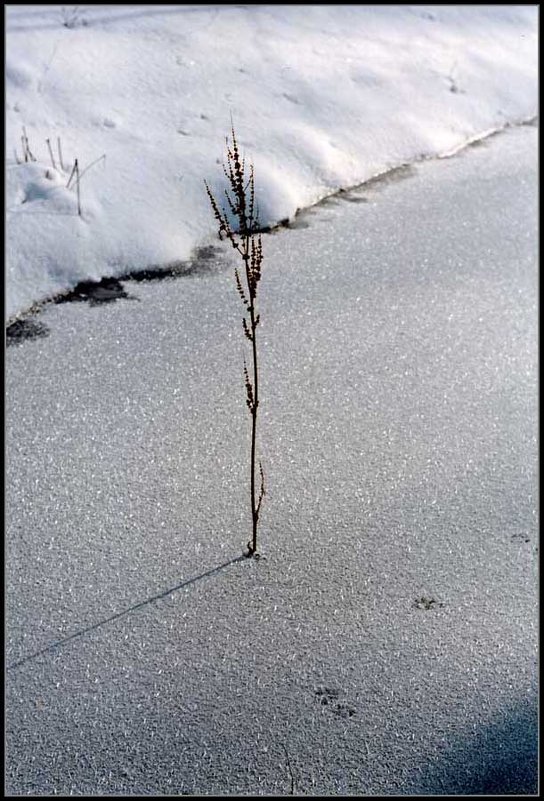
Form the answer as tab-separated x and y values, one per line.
500	759
206	260
130	609
21	330
95	292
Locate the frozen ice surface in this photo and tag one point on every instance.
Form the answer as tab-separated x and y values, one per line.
322	97
386	640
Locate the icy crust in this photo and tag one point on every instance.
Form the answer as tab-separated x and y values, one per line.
385	643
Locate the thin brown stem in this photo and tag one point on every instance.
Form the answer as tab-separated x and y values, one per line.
241	204
254	511
71	176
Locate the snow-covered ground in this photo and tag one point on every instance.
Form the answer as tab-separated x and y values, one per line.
386	642
322	97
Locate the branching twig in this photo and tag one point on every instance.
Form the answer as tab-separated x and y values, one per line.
240	200
26	147
88	167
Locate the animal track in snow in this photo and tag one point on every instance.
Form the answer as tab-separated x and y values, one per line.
427	603
328	697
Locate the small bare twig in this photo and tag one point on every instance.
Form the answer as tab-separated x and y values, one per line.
103	156
26	147
51	154
71	175
70	16
88	167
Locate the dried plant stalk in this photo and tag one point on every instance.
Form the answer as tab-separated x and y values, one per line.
243	236
48	141
71	176
27	153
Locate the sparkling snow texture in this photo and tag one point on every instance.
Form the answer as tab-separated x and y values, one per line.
385	643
